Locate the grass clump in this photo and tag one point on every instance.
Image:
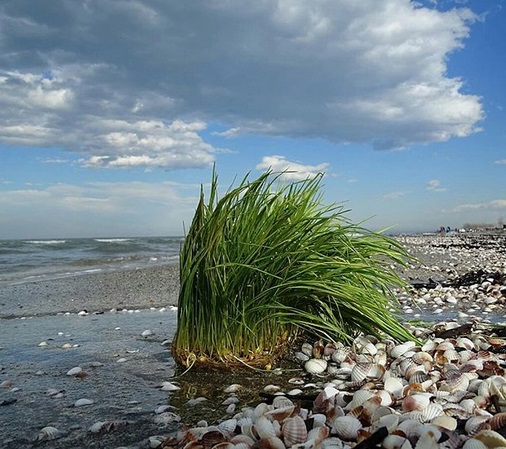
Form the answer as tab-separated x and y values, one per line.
267	261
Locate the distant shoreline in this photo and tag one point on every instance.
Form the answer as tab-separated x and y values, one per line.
141	288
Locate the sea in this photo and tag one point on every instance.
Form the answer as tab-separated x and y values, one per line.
32	260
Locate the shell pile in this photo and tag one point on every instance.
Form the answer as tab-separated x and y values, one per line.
444	393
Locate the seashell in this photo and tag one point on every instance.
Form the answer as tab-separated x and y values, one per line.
74	371
407	426
316	437
301	356
445	421
212	437
83	402
394	442
307	348
156	441
230	400
389	421
280	414
260	410
234	388
147	333
346	427
48	433
475	424
169	386
264	428
497	421
231	409
294	431
340	355
491	438
272	388
422	357
228	426
401	349
166	418
456	381
394	386
315	366
270	443
472	443
242	439
224	445
415	402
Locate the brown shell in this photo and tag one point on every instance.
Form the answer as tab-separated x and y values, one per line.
497	421
294	431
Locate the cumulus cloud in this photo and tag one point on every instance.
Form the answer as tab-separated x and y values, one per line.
291	171
435	185
116	80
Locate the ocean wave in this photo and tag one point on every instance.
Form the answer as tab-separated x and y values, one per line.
46	242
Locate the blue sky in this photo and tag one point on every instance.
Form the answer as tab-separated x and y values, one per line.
113	112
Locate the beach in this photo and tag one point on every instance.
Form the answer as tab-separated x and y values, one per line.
116	327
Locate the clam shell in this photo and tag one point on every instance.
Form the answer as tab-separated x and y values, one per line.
82	402
401	349
270	443
264	428
315	366
346	427
74	371
497	421
491	438
394	386
415	402
294	431
228	426
475	424
48	433
472	443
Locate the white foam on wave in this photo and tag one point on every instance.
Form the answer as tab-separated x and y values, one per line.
46	242
112	240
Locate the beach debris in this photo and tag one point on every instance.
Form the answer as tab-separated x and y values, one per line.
43	344
108	426
7	384
165	418
83	402
233	388
48	433
169	386
77	370
83	313
122	360
147	333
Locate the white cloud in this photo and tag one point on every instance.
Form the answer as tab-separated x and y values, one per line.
369	71
395	195
99	208
434	185
490	205
291	171
500	162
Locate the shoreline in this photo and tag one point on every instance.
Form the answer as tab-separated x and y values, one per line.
141	288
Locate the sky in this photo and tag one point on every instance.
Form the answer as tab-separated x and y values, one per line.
114	112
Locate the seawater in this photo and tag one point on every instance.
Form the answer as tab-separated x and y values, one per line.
32	260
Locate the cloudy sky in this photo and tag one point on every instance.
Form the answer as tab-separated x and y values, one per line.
113	112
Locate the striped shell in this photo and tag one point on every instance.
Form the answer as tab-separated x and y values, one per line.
294	431
346	427
315	366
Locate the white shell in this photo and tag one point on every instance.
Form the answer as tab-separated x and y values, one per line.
346	427
264	428
315	366
83	402
74	371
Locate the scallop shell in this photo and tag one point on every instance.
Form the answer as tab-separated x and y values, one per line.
228	426
415	402
401	349
346	427
315	366
282	402
264	428
48	433
270	443
472	443
475	424
497	421
294	431
491	438
444	421
394	386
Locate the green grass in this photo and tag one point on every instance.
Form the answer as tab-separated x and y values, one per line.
267	261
